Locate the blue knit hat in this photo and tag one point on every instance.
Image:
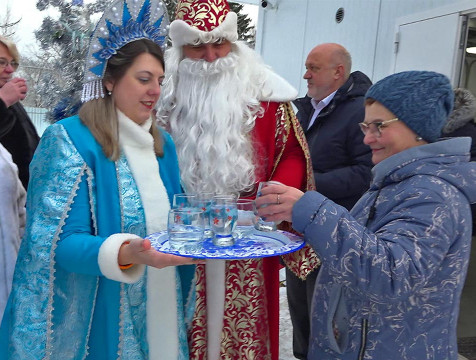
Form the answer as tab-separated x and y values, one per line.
423	100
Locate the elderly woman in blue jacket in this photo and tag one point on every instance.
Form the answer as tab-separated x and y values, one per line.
393	267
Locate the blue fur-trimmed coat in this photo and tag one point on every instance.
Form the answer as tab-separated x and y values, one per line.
392	289
69	312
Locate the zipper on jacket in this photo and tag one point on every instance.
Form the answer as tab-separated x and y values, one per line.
363	339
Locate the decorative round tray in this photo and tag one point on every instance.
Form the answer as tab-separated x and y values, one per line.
257	245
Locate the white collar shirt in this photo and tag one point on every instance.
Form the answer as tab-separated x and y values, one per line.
318	106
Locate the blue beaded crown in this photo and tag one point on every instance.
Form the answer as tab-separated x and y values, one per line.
123	21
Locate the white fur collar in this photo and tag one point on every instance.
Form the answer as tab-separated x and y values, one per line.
138	147
277	88
133	134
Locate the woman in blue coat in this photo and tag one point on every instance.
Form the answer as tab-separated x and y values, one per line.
393	267
87	285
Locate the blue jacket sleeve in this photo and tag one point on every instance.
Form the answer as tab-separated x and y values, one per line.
407	247
78	248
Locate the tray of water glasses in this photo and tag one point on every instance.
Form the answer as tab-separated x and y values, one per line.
257	244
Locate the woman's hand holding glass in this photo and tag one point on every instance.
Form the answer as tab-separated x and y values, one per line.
280	200
140	251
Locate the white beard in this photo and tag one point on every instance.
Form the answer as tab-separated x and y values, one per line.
214	110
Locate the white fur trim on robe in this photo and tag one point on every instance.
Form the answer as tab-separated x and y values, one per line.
215	279
277	89
107	259
274	88
162	324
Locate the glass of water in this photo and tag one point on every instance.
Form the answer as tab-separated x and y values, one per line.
203	201
185	229
245	223
183	200
261	224
223	216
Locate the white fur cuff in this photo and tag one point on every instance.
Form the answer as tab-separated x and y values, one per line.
107	259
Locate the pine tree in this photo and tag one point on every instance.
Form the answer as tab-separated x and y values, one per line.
66	40
246	31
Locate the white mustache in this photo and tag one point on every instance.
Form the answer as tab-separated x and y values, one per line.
204	68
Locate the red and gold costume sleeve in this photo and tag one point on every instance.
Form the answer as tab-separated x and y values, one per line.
291	166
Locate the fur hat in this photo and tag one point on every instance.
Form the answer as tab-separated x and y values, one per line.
421	99
464	111
202	21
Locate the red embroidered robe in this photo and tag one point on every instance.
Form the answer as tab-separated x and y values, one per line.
251	316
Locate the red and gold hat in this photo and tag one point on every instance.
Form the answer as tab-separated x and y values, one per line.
202	21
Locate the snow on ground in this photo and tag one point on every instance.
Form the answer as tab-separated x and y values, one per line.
285	327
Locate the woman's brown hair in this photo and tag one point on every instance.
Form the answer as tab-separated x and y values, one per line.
100	116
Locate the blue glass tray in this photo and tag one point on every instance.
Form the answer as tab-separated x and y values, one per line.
257	245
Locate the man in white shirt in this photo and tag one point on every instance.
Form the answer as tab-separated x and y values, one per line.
329	115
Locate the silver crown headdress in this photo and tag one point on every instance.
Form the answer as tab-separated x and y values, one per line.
123	21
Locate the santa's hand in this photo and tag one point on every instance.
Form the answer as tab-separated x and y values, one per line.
140	251
13	91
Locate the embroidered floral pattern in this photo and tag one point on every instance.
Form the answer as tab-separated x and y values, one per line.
203	15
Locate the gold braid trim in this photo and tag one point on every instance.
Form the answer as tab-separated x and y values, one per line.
305	260
281	135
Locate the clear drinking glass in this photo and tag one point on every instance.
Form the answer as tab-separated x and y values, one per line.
261	224
223	219
203	201
245	223
183	200
185	229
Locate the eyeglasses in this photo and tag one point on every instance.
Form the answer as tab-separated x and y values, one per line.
4	63
375	128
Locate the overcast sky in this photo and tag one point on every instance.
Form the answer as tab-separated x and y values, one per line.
32	18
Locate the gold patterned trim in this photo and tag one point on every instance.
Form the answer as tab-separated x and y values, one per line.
305	260
283	128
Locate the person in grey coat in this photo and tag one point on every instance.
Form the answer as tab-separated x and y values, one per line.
393	267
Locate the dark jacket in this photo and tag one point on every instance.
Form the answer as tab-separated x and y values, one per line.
468	129
18	135
341	161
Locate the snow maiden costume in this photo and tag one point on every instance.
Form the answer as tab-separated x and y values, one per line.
70	298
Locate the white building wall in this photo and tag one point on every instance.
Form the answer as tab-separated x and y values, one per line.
280	38
390	12
285	35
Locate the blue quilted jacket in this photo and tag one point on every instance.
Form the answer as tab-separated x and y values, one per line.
394	266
